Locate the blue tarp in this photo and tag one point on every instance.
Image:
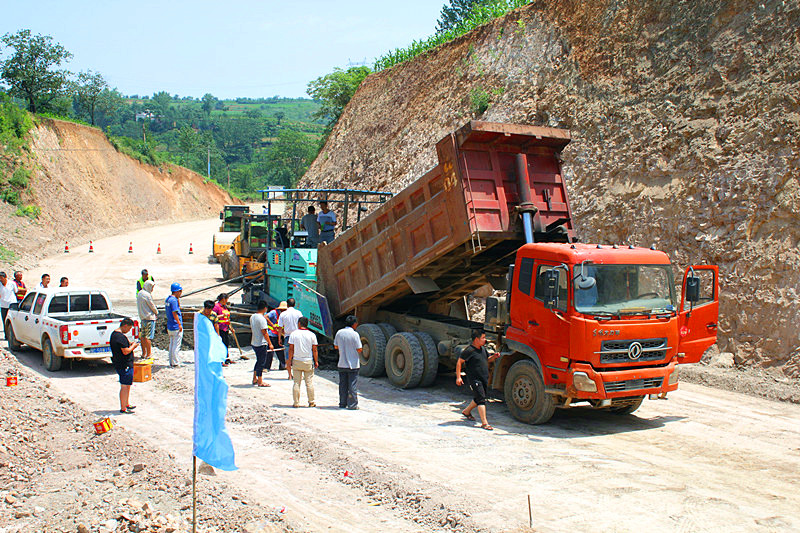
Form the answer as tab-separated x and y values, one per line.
212	443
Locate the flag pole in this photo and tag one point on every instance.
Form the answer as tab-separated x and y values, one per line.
194	494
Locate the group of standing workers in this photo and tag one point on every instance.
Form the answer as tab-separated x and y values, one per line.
14	291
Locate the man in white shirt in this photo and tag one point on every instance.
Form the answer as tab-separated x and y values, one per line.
259	340
8	296
287	324
348	343
45	281
302	361
327	223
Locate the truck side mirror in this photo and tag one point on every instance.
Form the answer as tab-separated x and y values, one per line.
585	284
221	216
692	289
551	278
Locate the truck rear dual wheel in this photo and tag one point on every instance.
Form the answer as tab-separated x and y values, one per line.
405	360
13	343
52	362
525	395
431	353
373	350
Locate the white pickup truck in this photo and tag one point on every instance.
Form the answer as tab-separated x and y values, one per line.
64	323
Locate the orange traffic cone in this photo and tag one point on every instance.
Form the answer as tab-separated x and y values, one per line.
130	248
159	248
190	249
91	248
66	247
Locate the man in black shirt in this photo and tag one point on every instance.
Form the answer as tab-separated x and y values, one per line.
122	359
476	359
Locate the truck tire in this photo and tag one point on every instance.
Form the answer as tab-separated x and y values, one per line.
388	329
525	395
373	350
405	360
52	362
634	404
431	353
13	343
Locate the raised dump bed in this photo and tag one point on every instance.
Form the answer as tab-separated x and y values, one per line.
455	228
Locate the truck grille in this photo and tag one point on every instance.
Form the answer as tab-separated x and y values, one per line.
619	351
633	384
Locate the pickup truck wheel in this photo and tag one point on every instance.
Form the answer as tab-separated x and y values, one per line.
630	407
373	350
525	395
405	360
431	353
13	343
52	362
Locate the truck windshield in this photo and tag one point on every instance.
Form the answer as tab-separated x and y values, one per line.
625	289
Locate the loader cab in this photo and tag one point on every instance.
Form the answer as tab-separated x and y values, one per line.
259	234
232	217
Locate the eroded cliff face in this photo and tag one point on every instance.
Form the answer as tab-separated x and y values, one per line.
685	118
87	190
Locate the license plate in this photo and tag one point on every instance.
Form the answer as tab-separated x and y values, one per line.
104	349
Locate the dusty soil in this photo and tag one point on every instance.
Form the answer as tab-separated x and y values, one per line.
87	190
57	475
685	120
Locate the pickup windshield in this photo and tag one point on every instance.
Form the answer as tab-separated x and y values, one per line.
625	289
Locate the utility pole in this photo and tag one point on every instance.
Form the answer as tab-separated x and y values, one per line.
208	173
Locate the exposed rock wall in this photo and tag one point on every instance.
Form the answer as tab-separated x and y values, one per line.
686	125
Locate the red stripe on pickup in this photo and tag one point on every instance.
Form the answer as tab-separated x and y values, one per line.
80	323
94	322
78	345
95	344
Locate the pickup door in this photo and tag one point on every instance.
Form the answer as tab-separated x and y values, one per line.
23	325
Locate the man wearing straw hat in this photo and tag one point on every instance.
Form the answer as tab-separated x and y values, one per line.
274	337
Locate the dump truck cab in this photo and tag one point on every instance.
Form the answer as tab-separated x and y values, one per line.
600	324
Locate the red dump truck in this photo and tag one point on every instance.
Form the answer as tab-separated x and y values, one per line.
578	324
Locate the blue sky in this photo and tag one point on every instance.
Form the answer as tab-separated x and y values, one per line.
236	48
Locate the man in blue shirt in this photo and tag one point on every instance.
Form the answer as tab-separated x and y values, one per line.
174	323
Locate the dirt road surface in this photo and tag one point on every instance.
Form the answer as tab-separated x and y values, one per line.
705	460
113	269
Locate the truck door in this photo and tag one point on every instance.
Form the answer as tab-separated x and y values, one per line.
546	330
697	321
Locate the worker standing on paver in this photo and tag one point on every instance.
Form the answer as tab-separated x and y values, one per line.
311	225
477	360
348	342
122	359
148	312
140	282
174	323
259	340
275	337
21	288
287	322
327	223
8	296
302	361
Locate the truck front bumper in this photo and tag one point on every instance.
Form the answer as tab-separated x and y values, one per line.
620	383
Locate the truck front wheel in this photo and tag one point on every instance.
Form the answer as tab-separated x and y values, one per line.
525	395
13	343
373	350
52	362
405	360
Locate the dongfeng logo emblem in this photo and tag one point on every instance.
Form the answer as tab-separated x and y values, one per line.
635	350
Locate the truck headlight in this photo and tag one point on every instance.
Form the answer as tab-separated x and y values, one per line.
583	382
673	378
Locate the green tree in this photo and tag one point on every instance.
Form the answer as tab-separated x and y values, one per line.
209	101
279	116
335	90
289	157
162	101
88	91
454	13
31	71
109	102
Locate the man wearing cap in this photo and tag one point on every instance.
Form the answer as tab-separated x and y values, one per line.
174	323
327	223
275	337
140	281
348	343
